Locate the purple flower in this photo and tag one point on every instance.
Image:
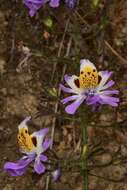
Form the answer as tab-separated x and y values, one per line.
54	3
56	174
91	87
71	3
32	146
35	5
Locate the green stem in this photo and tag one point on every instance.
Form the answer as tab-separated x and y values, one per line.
84	157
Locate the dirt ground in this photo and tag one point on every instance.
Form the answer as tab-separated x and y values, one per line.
34	55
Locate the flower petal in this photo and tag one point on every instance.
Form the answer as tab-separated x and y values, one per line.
70	80
71	109
71	3
109	92
38	166
105	75
86	63
93	100
65	89
56	174
70	98
17	168
43	158
108	85
33	5
32	12
54	3
43	132
40	135
46	144
109	100
102	99
23	124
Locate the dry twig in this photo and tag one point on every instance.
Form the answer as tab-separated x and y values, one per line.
115	52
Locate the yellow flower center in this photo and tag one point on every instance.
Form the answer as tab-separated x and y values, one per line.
25	140
88	78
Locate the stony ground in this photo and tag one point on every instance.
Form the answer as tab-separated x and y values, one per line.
29	84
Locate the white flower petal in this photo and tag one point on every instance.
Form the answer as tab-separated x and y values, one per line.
86	63
23	124
70	80
105	75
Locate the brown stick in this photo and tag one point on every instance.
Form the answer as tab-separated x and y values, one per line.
115	52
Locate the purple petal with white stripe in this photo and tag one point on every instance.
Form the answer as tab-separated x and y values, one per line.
71	109
46	144
93	100
65	89
43	158
108	85
38	166
110	92
42	132
113	101
17	168
70	98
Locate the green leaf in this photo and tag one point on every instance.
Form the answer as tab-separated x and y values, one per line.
52	92
95	2
48	22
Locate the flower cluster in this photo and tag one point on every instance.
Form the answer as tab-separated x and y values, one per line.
91	87
35	5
